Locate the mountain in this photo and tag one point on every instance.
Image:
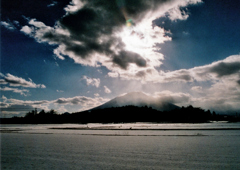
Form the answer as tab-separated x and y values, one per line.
138	99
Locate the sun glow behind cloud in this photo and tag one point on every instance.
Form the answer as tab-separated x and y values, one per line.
94	33
130	52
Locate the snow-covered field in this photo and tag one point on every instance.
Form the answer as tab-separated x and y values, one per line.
121	146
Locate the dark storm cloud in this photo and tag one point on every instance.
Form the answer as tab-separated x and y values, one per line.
125	57
101	17
53	37
85	23
96	19
85	50
133	8
93	21
89	32
225	69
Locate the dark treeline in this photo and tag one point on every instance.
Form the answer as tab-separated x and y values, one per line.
124	114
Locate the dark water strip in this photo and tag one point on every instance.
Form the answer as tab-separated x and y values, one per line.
132	129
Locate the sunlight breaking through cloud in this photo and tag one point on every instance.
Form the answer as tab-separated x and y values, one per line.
129	52
127	45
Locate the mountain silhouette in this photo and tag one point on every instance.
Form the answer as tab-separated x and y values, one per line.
138	99
131	107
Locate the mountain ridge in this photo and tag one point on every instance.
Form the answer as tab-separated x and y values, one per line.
138	99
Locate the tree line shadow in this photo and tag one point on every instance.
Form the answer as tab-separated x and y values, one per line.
126	114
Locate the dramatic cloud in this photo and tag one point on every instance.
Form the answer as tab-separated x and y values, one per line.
18	81
122	39
94	33
126	57
220	97
214	86
92	81
224	69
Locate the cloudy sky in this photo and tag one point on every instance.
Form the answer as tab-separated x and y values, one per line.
72	55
